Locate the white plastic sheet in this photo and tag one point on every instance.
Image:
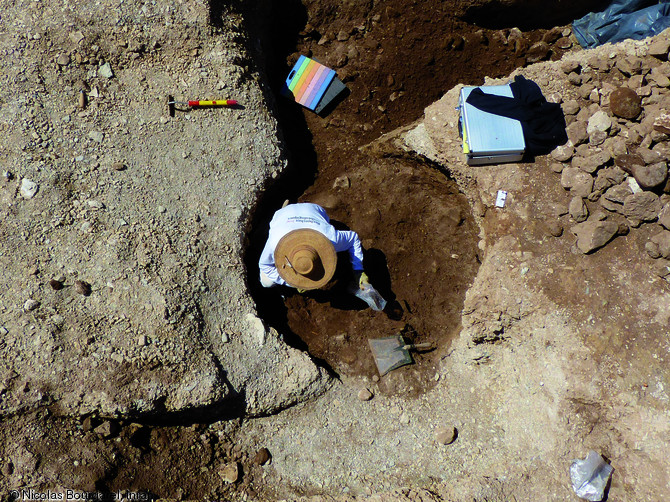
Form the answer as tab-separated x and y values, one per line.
590	476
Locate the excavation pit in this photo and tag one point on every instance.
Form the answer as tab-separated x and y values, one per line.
420	252
415	224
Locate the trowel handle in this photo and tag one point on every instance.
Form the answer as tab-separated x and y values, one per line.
213	102
420	346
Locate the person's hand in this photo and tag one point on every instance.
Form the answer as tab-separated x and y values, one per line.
362	279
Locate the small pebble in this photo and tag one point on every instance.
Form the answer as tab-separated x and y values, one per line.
118	166
95	204
364	395
106	71
28	188
342	182
96	136
55	284
555	228
82	287
262	456
63	59
446	435
30	305
230	473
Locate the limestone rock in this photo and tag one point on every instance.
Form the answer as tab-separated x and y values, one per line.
82	287
592	162
555	228
628	66
662	242
107	429
578	209
599	121
627	161
537	52
651	176
570	66
577	133
96	136
262	456
364	395
618	193
577	181
625	103
446	435
642	206
31	305
597	138
616	146
563	153
659	48
63	59
342	182
571	107
662	123
28	188
661	79
106	71
662	269
649	156
592	235
230	473
664	216
652	249
574	78
608	177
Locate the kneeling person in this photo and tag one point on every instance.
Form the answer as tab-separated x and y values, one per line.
302	246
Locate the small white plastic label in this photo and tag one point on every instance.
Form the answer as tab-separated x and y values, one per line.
502	197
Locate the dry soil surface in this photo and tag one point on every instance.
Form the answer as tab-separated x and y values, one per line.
164	380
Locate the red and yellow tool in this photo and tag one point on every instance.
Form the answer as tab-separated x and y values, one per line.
199	103
210	102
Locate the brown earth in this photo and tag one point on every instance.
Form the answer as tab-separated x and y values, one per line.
421	240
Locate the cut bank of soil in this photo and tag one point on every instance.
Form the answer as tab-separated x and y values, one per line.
421	240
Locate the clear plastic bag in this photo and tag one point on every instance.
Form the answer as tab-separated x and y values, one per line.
590	476
370	296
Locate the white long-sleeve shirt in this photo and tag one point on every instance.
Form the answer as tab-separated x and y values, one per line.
307	215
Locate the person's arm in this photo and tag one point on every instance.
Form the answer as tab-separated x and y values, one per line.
347	240
266	264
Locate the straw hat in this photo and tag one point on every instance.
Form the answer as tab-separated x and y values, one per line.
305	258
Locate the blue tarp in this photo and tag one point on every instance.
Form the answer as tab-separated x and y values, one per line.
636	19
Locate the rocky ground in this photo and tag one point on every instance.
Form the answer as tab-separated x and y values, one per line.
135	352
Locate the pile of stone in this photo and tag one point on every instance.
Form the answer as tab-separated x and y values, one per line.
615	164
